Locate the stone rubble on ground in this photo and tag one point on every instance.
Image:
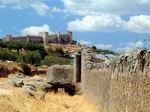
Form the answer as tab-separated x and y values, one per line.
57	74
29	84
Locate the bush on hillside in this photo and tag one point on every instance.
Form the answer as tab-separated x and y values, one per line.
101	51
26	69
50	51
4	72
59	51
51	60
6	55
33	57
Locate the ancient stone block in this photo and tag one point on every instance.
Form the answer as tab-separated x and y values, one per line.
60	74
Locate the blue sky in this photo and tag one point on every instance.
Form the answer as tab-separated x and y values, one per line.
113	24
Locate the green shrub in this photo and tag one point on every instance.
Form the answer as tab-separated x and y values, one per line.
6	55
33	57
51	60
26	69
50	51
59	51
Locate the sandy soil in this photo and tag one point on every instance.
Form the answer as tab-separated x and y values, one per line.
19	100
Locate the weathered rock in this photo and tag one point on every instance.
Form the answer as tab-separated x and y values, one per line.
89	65
89	57
60	74
46	87
38	84
17	82
29	87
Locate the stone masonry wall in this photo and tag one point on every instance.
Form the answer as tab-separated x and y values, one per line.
125	92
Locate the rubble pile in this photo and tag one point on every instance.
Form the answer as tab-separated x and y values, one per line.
29	84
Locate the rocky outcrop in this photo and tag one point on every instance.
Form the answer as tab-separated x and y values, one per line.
29	84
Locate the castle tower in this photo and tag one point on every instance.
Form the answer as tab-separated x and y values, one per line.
69	36
44	36
58	38
8	38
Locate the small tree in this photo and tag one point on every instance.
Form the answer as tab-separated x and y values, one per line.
59	51
50	51
26	69
33	57
94	47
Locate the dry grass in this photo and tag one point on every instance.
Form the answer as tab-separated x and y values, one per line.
17	100
123	93
66	48
10	65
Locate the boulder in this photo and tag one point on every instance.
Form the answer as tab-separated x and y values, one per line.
16	81
29	87
60	74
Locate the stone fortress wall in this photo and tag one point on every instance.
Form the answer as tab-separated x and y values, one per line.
43	38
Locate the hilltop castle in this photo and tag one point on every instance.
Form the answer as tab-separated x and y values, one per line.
43	38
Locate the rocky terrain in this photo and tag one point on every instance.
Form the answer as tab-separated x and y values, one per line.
27	94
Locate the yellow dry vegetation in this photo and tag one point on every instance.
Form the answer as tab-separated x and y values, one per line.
66	48
10	65
18	100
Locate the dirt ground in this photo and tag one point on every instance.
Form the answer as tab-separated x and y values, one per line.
19	100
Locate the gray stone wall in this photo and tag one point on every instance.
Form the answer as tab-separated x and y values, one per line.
116	88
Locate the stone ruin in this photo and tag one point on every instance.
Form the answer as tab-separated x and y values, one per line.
132	60
118	84
61	76
58	76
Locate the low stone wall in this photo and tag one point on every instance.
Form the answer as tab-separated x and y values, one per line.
125	92
96	85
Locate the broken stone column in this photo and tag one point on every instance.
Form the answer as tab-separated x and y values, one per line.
77	67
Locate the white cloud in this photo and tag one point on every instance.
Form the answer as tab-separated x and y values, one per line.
111	23
84	42
96	7
37	5
122	49
104	23
41	8
130	45
139	24
34	30
56	9
106	15
104	46
135	44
